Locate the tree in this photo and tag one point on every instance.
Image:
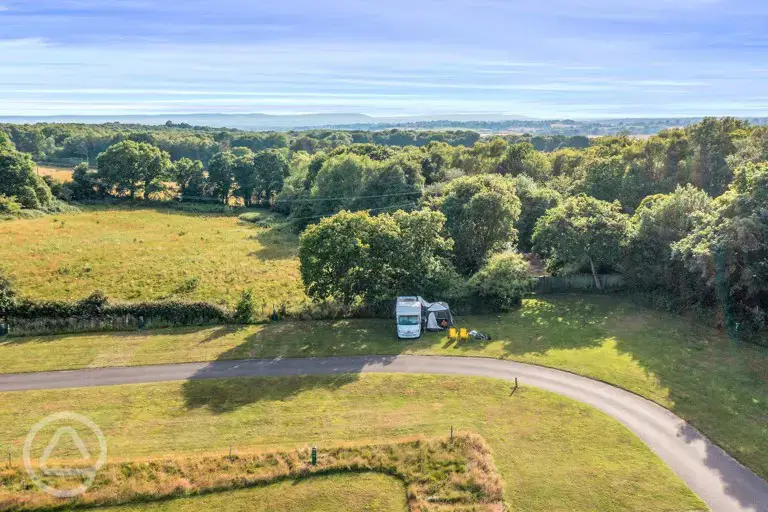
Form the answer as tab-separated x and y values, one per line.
729	250
358	259
85	183
659	222
481	213
501	283
271	167
220	174
535	200
604	177
387	185
712	141
581	230
293	185
438	157
522	158
245	174
338	183
18	179
190	177
135	167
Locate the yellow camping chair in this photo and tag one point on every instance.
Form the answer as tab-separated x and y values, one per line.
463	335
453	334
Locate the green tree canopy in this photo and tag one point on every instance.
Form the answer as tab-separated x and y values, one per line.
581	230
190	177
359	259
481	213
729	249
660	221
133	167
19	179
221	175
535	200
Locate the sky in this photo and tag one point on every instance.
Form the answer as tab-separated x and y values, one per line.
547	59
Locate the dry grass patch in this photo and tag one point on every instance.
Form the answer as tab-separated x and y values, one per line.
143	253
439	474
370	492
58	173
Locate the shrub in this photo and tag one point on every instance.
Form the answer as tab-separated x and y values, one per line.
7	296
501	283
9	205
244	310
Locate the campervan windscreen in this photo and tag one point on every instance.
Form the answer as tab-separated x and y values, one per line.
408	320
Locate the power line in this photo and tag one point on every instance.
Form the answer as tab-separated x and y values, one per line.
305	200
403	205
342	198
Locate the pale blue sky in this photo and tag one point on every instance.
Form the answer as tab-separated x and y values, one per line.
548	58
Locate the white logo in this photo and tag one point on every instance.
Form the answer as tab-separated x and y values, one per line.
84	475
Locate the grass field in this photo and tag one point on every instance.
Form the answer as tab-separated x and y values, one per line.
143	253
720	387
58	173
368	492
553	453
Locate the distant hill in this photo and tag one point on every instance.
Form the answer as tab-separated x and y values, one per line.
485	123
258	121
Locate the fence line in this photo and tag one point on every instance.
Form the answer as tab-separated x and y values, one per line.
579	283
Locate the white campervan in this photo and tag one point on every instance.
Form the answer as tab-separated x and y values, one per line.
408	316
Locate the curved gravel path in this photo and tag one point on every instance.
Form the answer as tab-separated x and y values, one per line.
723	483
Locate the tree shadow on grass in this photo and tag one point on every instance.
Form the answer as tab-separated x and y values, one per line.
718	384
540	325
275	243
216	332
280	350
224	395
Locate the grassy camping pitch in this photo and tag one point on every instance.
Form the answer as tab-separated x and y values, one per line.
721	387
552	453
139	253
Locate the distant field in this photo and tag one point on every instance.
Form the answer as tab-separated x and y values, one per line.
58	173
144	253
553	453
364	492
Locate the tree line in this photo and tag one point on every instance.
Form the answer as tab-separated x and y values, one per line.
69	143
681	214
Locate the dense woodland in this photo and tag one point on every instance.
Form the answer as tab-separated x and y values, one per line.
682	214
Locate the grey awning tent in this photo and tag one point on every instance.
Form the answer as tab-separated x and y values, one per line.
438	315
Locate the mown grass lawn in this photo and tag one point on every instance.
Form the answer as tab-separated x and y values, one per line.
553	453
141	253
719	386
365	492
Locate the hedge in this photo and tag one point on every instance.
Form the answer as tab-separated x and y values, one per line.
96	313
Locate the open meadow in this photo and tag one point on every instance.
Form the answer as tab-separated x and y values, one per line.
553	453
143	253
